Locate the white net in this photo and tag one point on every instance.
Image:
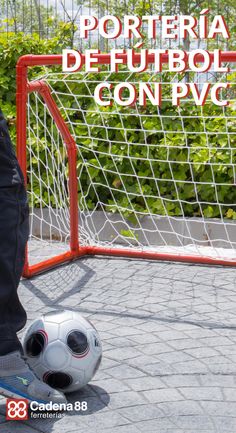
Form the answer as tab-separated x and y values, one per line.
149	178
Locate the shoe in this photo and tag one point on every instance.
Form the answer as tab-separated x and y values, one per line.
18	381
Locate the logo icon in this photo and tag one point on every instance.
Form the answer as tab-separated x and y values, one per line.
17	410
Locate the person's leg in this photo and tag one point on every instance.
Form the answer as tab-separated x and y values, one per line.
16	378
14	228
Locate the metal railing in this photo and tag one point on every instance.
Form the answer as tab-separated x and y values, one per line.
43	17
37	16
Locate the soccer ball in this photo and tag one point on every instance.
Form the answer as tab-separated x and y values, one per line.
63	349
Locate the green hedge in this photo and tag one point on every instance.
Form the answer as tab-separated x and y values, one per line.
212	164
206	158
12	46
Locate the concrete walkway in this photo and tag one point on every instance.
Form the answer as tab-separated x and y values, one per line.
169	343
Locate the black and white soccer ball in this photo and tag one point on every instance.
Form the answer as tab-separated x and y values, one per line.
63	349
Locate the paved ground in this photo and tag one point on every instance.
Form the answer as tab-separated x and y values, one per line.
169	334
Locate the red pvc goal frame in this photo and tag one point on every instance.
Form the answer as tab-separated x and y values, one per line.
24	87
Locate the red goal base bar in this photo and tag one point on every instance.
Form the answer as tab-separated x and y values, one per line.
31	270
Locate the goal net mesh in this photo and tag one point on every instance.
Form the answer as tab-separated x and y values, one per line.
149	178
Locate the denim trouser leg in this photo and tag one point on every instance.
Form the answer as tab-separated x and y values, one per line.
14	230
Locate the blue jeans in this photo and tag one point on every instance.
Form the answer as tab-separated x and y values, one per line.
14	231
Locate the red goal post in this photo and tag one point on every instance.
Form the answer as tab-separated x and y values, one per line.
162	227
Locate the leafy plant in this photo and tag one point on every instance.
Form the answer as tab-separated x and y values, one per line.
110	142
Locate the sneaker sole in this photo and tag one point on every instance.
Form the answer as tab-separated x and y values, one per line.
10	392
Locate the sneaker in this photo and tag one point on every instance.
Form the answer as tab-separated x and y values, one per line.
18	381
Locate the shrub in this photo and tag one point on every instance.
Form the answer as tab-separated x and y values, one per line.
208	161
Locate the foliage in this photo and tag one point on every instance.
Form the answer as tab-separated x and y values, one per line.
29	17
11	48
32	16
209	165
174	164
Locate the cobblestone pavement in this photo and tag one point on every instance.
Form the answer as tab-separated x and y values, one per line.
169	333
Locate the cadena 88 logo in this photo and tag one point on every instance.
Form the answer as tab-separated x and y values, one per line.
17	410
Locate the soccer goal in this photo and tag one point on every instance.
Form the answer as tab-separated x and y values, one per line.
155	182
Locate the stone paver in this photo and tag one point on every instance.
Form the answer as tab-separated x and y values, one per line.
169	346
